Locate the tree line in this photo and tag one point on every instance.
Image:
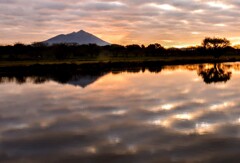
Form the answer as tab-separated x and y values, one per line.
210	46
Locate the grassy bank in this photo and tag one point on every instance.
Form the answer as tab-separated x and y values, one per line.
174	59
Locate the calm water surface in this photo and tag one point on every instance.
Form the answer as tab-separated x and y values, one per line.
185	113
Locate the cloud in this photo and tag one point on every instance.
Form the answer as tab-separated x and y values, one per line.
101	6
120	21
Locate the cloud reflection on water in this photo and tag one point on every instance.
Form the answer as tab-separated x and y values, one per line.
126	117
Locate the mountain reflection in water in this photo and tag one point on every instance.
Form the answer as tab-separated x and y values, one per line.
137	113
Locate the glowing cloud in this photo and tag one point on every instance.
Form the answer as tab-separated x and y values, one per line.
165	7
219	5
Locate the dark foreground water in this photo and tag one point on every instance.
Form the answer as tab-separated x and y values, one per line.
142	113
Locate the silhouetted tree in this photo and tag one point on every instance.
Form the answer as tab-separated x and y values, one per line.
115	50
215	43
93	50
133	49
61	51
215	46
154	49
39	44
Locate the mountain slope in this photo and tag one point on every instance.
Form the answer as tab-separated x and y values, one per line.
80	38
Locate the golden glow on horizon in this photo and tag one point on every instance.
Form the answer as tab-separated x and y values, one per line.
114	36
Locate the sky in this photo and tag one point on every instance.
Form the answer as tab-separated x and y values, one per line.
177	23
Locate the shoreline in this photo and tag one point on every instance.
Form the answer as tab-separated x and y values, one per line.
166	60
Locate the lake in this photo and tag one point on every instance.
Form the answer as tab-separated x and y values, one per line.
120	113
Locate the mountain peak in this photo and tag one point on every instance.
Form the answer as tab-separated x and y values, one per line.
81	37
81	31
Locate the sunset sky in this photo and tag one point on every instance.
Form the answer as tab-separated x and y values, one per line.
168	22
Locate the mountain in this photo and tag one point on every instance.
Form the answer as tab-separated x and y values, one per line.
80	38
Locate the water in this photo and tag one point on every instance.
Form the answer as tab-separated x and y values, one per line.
188	113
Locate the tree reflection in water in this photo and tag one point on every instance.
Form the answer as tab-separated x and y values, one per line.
217	73
85	74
